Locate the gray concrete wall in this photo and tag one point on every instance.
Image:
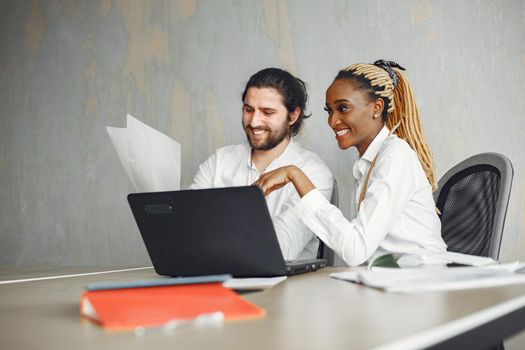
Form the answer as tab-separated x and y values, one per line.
68	69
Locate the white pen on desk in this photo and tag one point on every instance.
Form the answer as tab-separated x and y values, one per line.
213	319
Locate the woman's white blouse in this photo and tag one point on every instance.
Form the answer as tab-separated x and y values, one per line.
397	214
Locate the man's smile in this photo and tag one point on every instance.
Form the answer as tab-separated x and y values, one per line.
258	131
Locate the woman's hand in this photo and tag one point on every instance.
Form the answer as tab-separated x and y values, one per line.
278	178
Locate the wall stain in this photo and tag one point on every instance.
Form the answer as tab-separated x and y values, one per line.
34	31
214	123
73	9
181	127
105	7
35	27
422	11
145	42
431	35
180	10
89	81
277	25
6	87
91	100
187	7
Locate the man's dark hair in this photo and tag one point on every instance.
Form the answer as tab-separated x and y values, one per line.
291	89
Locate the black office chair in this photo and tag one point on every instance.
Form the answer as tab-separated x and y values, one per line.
323	251
473	197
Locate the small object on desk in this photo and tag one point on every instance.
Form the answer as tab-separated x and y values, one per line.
253	283
456	265
385	260
439	259
212	319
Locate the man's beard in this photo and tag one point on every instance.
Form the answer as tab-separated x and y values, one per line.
274	138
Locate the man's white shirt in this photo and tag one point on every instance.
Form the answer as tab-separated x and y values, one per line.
397	214
233	166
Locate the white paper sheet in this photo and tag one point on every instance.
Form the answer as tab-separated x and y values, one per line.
151	159
412	280
253	283
411	260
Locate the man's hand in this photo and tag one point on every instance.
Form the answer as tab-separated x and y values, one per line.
278	178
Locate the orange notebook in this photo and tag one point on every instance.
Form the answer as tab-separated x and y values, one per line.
134	307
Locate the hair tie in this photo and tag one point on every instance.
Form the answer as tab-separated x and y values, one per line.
389	67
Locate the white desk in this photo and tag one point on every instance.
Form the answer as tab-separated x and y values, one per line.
310	311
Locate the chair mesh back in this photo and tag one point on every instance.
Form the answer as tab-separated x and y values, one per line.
468	204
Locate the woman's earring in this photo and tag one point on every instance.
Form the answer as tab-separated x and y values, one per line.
375	116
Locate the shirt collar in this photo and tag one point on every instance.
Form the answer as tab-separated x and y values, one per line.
274	164
363	163
248	155
374	147
282	159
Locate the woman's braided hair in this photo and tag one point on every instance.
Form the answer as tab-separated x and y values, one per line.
385	79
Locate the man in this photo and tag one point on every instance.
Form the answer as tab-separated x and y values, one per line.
274	102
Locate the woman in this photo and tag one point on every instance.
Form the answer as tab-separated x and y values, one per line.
371	107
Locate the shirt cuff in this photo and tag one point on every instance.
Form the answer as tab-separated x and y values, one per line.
310	202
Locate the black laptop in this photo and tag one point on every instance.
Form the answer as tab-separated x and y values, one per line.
212	231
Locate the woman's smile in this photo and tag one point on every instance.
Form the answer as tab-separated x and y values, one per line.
341	132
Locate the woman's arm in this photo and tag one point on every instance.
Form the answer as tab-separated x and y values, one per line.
393	182
278	178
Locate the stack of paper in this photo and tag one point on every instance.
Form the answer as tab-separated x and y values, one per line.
427	259
151	159
421	279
